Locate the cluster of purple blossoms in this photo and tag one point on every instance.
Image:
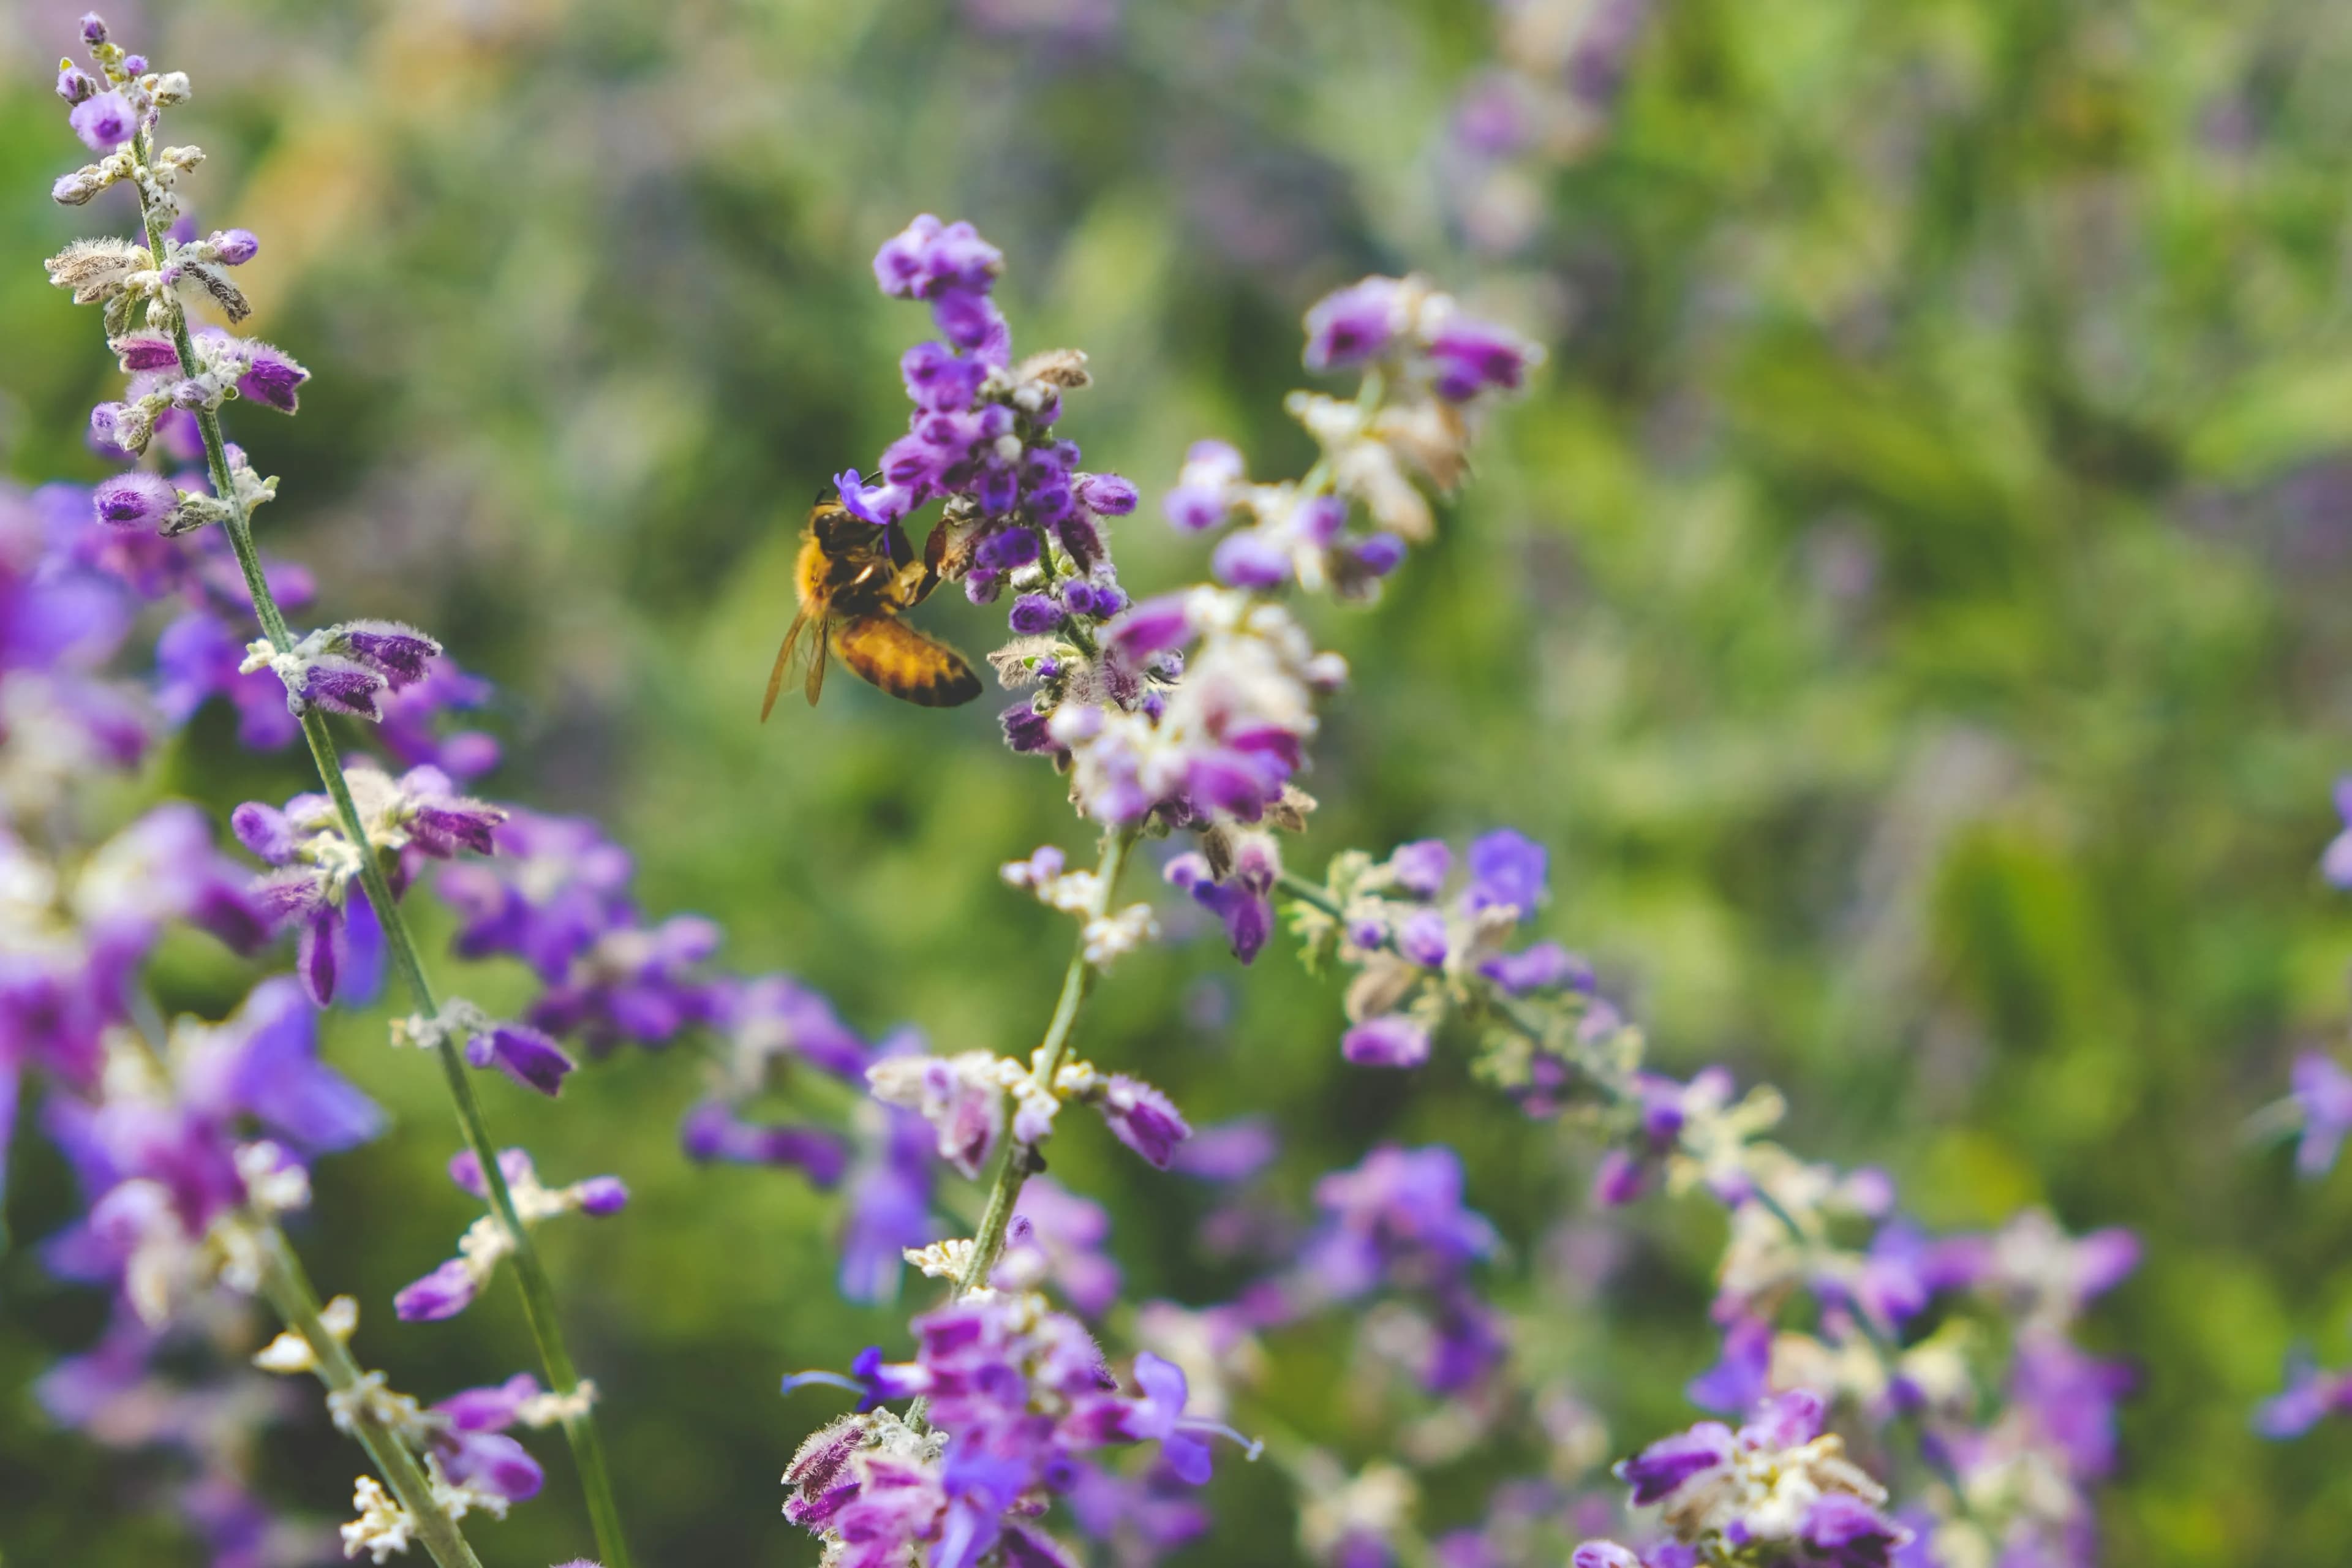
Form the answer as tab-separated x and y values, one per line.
555	894
190	1148
1547	103
2318	1108
1776	1491
964	1098
1420	954
451	1289
1397	1224
316	866
1895	1330
1018	1399
1020	512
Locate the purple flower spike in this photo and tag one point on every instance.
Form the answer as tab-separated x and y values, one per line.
1143	1118
135	500
524	1054
1391	1040
103	122
444	1293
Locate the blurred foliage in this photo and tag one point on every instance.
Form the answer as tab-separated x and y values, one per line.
1910	606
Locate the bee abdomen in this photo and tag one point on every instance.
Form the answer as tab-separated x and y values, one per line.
904	663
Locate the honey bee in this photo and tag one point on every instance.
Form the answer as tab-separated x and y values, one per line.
854	580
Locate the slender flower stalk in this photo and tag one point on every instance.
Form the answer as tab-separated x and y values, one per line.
290	1290
1020	1162
538	1294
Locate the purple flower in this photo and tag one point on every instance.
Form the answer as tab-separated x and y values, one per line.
888	1207
1603	1555
639	984
197	658
2336	865
144	352
1507	871
1035	614
555	891
74	85
1354	326
1142	1118
1546	966
2310	1397
880	504
449	1290
929	258
135	500
1390	1040
940	379
1248	558
1378	555
1055	1235
1421	938
1846	1533
524	1054
401	655
2324	1091
1471	357
713	1132
1106	495
1742	1377
1229	1152
103	122
1422	866
272	377
236	247
1658	1470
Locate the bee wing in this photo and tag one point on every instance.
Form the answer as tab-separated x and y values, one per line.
816	666
784	662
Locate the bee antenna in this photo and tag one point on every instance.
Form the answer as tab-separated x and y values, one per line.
825	492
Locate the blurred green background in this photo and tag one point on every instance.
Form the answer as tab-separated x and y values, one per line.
1911	605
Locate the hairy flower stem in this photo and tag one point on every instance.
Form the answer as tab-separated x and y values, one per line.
538	1295
1021	1161
288	1289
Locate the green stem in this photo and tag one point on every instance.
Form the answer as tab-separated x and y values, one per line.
1021	1161
288	1289
538	1295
